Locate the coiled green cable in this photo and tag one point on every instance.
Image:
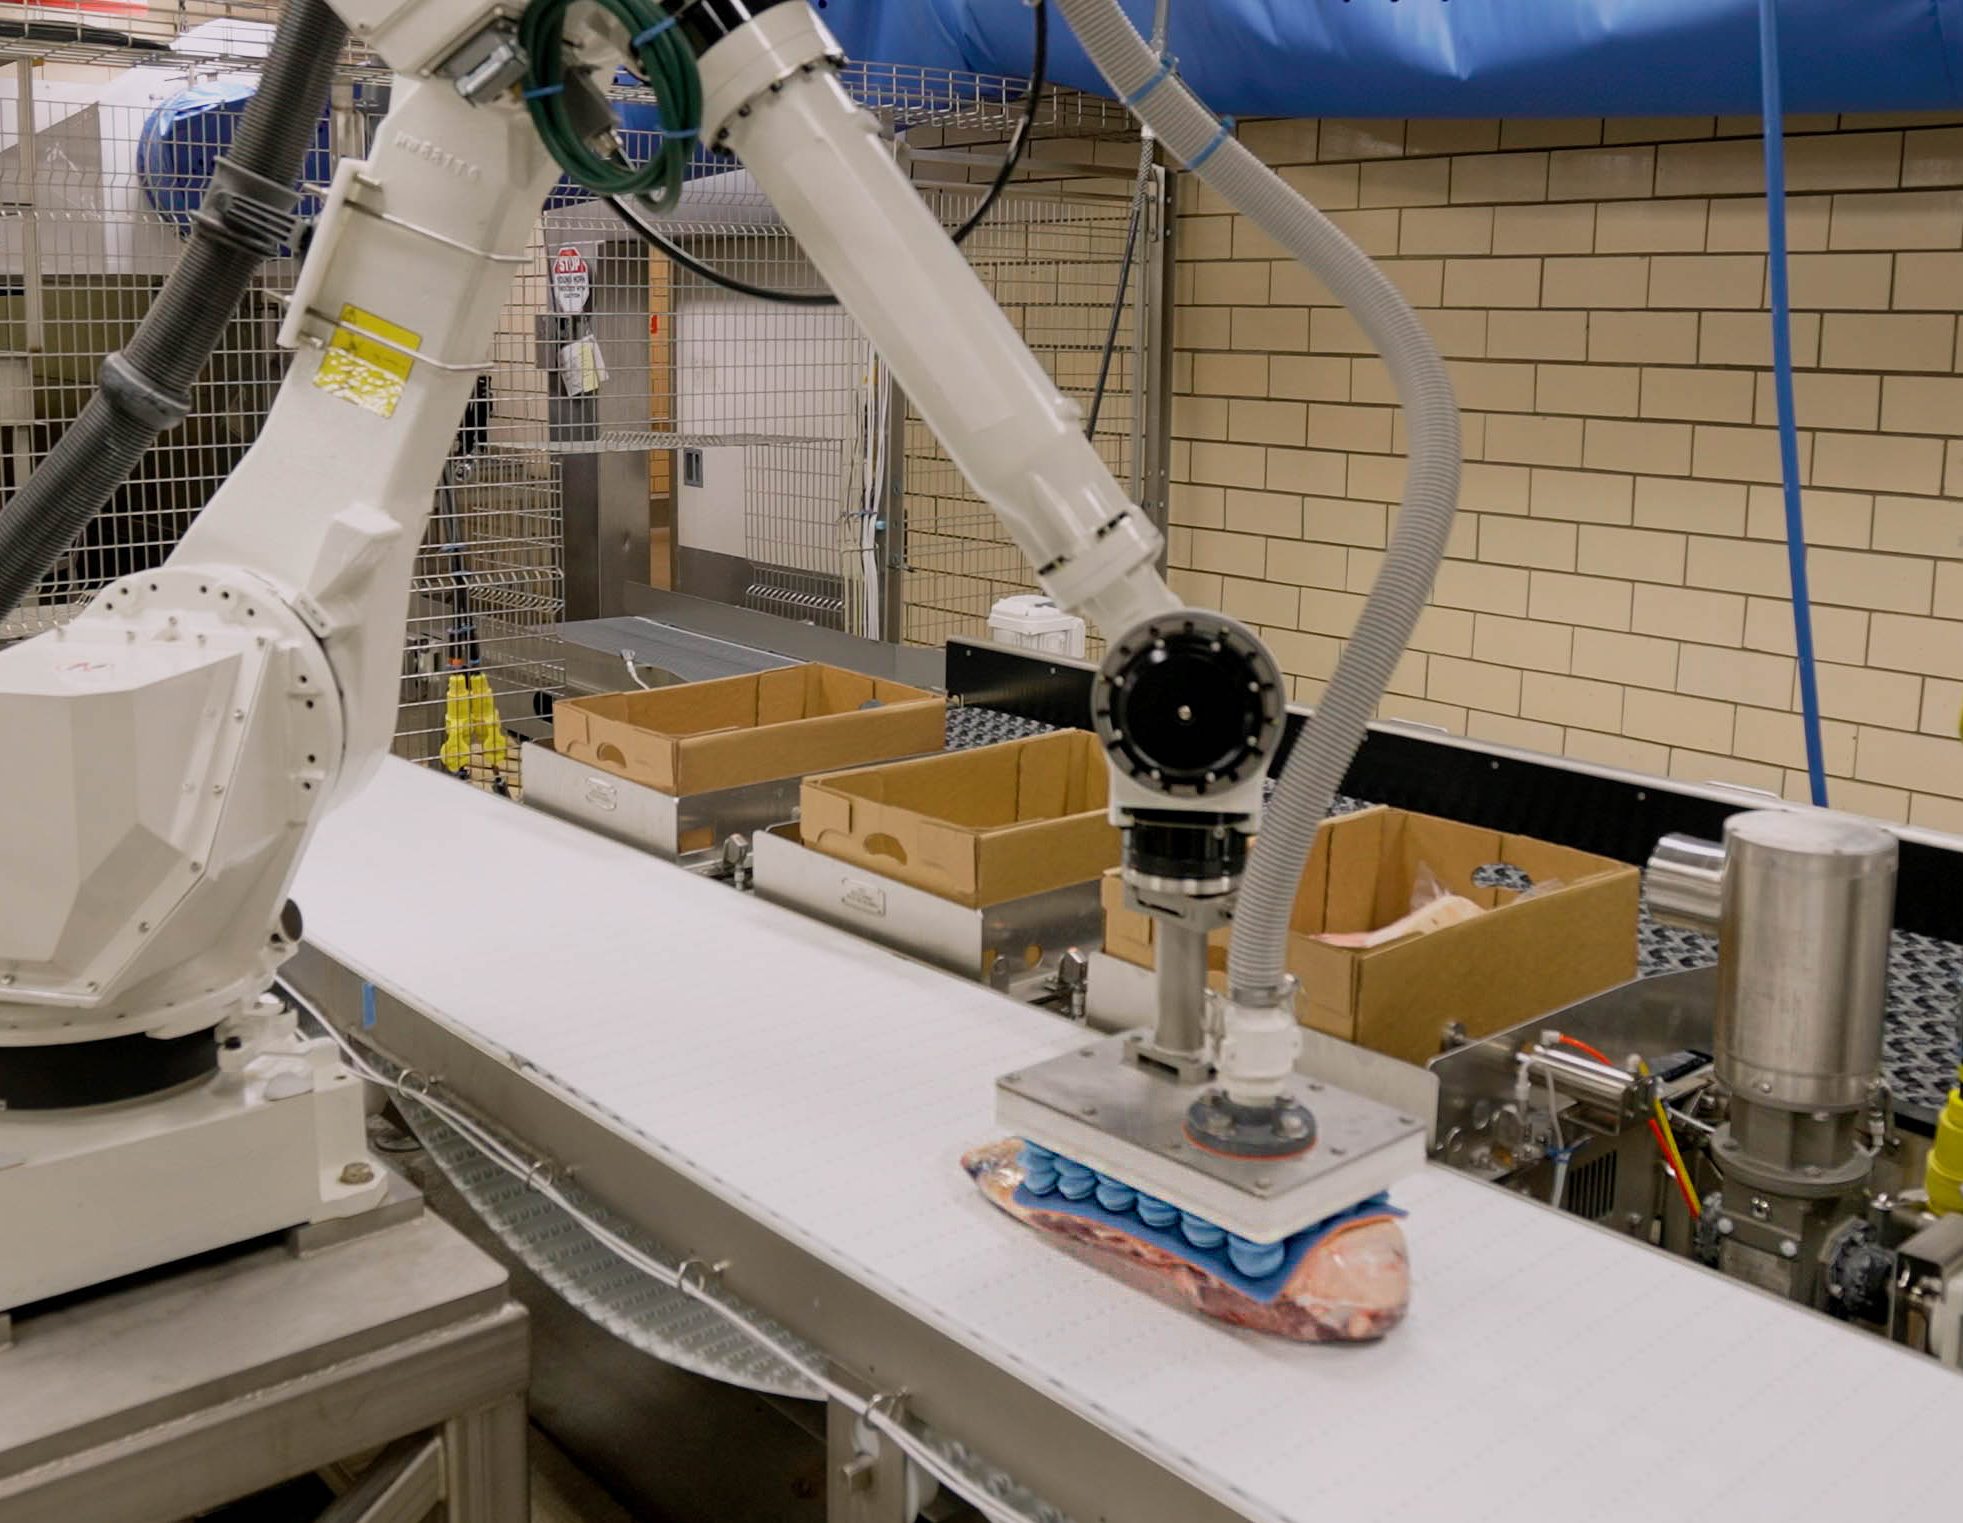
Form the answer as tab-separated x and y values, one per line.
664	60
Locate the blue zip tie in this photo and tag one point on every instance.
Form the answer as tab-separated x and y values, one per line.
367	1006
653	32
1166	65
537	92
1773	111
1226	131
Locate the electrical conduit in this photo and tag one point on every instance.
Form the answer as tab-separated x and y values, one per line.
1257	967
1782	386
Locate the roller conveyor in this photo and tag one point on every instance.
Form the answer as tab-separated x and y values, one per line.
824	1090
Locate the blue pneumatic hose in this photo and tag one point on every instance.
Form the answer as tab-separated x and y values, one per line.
1782	386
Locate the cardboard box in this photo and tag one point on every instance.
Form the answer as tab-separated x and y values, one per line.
1522	958
978	827
698	737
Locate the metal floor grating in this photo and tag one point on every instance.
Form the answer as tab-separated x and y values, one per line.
640	1311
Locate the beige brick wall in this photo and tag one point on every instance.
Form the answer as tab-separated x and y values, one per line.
1617	587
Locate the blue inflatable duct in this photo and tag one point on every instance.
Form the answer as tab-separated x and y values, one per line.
182	139
1470	58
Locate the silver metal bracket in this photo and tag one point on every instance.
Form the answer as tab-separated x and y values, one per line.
488	64
402	1203
1182	1067
867	1479
1097	1106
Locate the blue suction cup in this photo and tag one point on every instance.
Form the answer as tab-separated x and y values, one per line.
1256	1259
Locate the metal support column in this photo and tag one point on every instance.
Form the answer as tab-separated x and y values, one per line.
33	311
892	556
404	1484
484	1466
1182	953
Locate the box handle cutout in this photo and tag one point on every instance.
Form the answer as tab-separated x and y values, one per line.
610	753
1503	875
882	845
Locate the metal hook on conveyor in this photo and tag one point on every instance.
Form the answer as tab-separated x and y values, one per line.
694	1274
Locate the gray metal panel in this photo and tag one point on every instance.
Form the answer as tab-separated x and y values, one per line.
179	1393
668	648
989	944
802	642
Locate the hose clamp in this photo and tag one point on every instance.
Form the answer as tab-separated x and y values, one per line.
248	211
133	394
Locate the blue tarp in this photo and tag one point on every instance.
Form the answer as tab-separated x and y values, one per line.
1471	58
183	138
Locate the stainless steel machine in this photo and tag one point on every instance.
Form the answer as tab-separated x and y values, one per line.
1736	1115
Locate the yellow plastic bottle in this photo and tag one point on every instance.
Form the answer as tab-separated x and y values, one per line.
1945	1173
486	733
455	754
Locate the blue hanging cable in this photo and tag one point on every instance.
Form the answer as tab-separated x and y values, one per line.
1782	385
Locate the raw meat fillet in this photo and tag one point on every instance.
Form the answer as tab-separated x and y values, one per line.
1352	1287
1450	909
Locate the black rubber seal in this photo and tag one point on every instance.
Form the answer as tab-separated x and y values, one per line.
74	1074
1170	845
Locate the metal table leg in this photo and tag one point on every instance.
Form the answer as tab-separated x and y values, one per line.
485	1473
403	1485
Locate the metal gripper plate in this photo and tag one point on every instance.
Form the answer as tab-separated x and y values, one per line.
1098	1107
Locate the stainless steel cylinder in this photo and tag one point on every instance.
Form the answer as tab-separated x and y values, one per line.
1182	989
1808	903
1684	882
1579	1075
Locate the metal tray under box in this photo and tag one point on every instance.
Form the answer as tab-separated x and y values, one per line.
1013	946
689	830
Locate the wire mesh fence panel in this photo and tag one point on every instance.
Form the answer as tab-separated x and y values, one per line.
767	431
780	417
86	242
1053	259
96	200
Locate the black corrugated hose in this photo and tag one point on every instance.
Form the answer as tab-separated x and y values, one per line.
146	387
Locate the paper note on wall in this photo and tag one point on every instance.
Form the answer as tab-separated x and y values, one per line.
582	367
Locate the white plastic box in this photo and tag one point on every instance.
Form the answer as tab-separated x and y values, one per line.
1031	621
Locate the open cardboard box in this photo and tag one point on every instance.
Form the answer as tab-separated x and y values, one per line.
699	737
979	827
1524	957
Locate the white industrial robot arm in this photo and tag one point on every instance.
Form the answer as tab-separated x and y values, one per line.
770	97
180	737
197	717
183	732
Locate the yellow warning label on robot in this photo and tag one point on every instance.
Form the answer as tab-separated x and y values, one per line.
360	370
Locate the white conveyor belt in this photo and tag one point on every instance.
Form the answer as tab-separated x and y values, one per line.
1548	1369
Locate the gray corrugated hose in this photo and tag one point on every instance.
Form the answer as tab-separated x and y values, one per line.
1257	963
168	350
